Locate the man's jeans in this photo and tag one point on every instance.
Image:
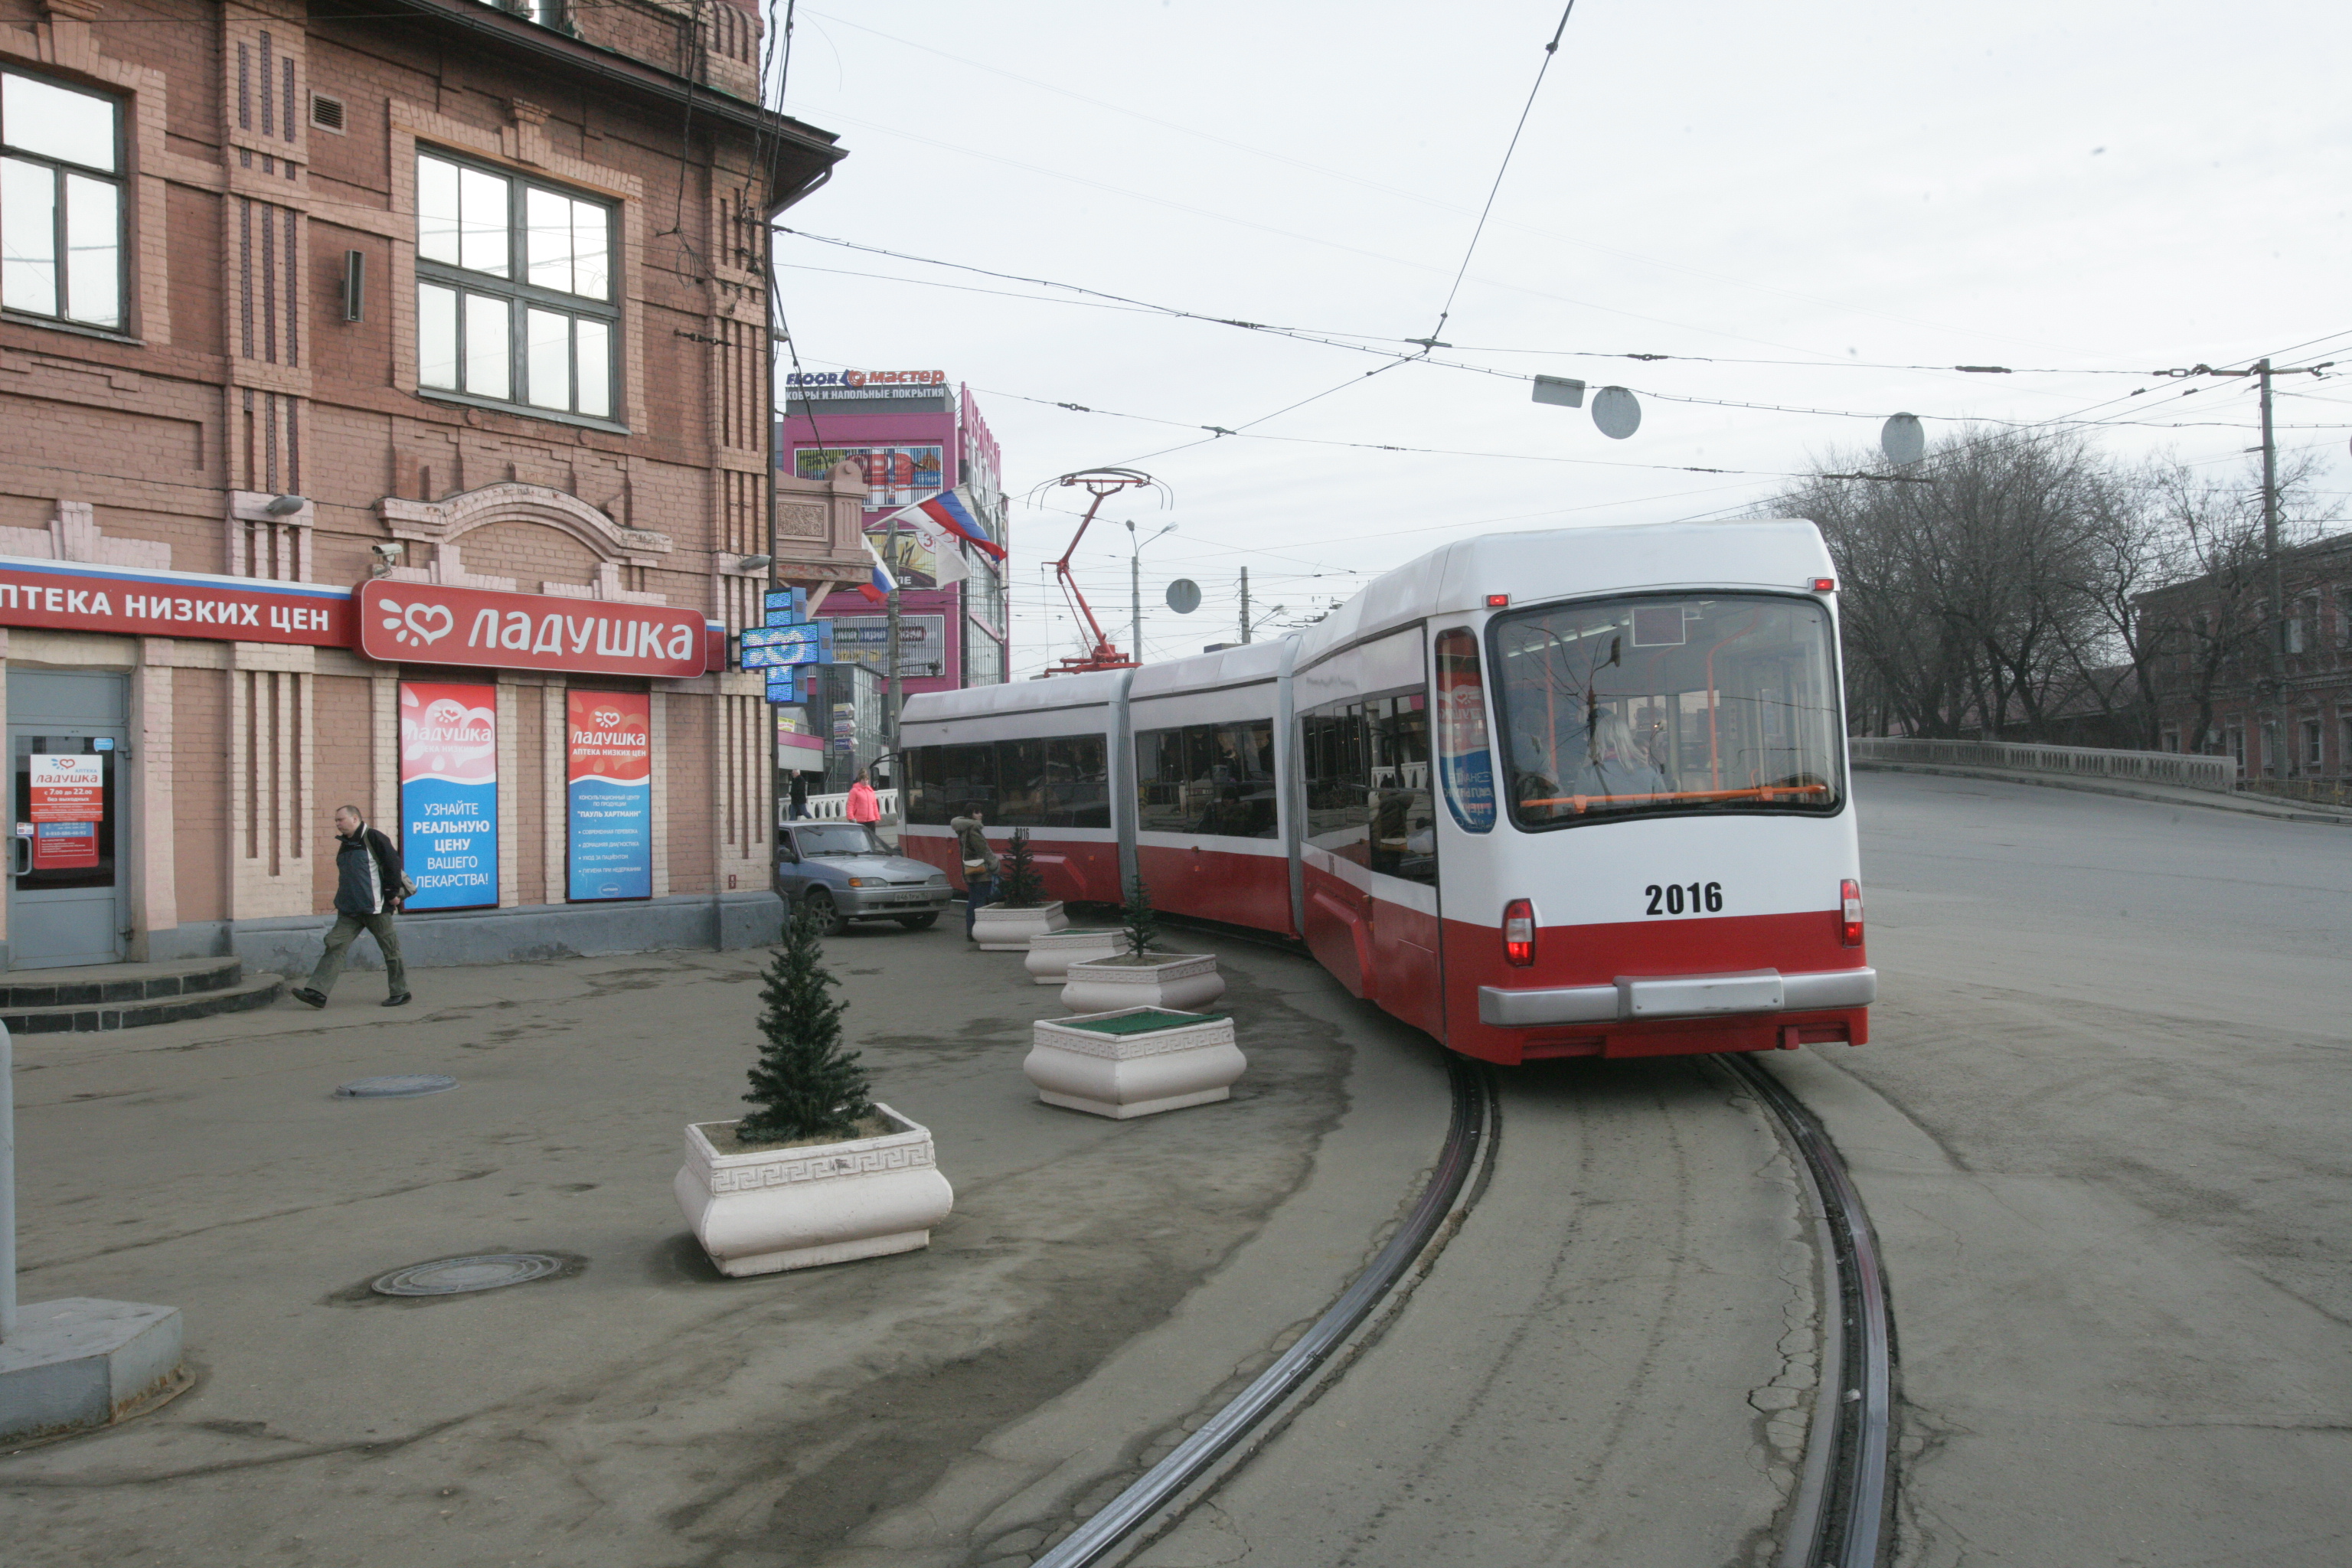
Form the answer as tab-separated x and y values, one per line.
979	890
338	941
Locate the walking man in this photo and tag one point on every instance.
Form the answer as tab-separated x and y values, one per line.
367	890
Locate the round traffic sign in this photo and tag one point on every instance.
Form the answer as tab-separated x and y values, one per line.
1617	412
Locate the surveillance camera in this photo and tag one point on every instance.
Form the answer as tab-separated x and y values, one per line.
388	551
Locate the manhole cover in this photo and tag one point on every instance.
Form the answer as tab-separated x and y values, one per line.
456	1276
397	1086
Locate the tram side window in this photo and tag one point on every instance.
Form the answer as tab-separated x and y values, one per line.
1367	772
1020	785
1210	779
968	774
925	787
1078	782
1059	782
1405	822
1338	781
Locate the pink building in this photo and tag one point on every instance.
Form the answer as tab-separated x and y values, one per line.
913	432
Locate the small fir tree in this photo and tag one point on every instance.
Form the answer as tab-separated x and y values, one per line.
1019	886
1142	926
803	1085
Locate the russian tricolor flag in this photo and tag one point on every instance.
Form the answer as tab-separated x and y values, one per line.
952	509
881	585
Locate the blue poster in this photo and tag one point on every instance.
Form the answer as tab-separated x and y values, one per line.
449	794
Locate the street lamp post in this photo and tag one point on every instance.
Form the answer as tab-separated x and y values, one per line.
1135	587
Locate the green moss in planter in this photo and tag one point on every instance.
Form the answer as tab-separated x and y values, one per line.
1144	1021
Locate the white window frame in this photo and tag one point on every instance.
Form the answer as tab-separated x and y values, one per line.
62	169
525	305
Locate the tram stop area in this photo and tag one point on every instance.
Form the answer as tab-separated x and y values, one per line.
620	1401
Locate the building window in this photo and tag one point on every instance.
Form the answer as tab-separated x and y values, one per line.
514	290
2344	744
2312	756
546	12
61	201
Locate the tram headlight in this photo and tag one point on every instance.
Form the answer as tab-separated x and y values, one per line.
1519	933
1850	914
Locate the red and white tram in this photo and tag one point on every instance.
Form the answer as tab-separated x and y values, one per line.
1579	792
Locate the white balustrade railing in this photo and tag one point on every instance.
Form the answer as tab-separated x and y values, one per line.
835	807
2179	769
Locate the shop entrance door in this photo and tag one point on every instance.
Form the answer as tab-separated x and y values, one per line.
68	903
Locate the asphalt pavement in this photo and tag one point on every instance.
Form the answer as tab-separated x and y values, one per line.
639	1410
2101	1129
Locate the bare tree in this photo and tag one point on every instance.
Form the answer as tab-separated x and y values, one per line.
1961	607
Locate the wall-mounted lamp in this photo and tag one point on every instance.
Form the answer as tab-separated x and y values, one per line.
285	506
753	562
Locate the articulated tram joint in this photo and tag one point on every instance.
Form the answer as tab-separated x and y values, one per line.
1634	998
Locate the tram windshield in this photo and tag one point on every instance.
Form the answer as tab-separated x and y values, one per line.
1668	704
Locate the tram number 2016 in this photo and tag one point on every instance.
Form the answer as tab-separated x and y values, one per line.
1684	898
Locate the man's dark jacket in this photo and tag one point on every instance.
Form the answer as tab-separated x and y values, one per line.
367	873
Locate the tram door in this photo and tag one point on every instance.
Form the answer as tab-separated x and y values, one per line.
68	900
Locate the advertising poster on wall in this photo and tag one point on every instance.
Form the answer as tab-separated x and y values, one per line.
66	799
449	793
611	795
895	476
866	639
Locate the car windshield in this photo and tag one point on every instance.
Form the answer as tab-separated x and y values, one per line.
1703	704
836	839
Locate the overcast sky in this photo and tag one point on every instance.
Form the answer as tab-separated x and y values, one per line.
2086	185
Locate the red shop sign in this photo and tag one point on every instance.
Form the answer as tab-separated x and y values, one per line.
424	623
80	598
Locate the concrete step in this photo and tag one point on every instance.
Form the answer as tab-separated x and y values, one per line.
102	982
241	995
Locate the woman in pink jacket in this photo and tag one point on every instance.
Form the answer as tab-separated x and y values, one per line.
863	805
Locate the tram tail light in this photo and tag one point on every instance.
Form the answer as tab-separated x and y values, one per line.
1850	914
1519	933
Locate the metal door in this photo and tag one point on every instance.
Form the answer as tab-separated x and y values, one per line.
68	896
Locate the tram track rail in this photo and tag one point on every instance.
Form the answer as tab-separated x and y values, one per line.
1837	1515
1110	1527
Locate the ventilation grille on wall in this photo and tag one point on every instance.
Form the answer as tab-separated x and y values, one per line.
326	114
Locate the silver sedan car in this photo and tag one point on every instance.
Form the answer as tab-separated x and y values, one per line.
845	873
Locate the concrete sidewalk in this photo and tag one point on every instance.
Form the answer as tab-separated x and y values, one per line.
641	1410
2162	794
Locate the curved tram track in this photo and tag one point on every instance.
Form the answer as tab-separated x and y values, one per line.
1836	1519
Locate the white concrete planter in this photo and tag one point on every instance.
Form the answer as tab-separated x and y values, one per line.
1081	1064
1178	980
823	1203
1000	929
1051	953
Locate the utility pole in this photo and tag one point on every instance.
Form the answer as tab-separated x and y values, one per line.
2270	509
1135	603
890	698
1245	626
2274	741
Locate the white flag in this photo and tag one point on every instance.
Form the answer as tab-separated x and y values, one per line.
944	546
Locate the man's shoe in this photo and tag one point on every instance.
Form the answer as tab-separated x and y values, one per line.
303	993
399	1001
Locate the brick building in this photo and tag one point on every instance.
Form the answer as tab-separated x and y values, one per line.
2278	699
388	405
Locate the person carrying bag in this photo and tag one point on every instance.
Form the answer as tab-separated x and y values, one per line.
370	886
980	863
